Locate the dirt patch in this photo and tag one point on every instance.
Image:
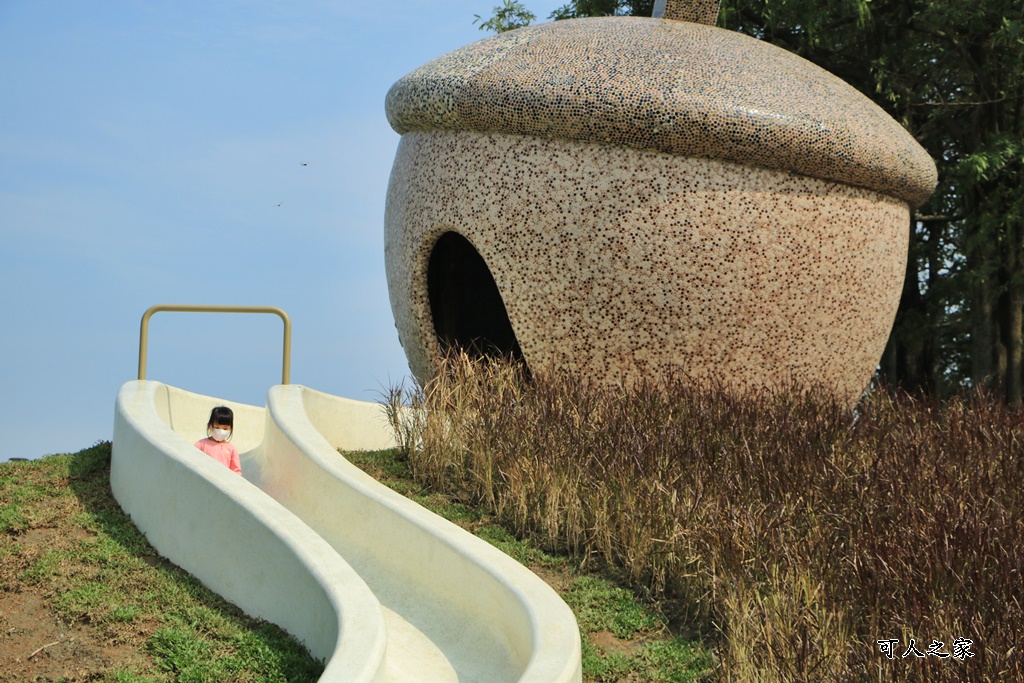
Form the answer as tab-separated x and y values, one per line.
559	579
36	645
609	643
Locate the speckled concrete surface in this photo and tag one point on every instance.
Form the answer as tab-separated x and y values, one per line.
700	11
654	195
659	262
671	86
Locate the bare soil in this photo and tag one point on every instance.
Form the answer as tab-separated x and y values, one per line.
36	645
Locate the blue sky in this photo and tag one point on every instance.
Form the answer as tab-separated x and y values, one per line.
152	152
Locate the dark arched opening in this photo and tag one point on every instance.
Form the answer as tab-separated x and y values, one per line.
467	308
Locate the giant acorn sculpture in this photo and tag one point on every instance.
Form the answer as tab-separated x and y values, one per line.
627	197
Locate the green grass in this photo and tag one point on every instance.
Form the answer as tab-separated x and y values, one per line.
600	606
63	537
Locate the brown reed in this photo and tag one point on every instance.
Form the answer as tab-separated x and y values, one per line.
796	530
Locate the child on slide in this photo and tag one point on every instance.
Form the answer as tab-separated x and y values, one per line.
218	433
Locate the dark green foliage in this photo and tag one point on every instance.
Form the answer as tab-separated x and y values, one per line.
604	8
506	17
513	14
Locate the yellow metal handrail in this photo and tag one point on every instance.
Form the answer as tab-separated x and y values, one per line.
286	366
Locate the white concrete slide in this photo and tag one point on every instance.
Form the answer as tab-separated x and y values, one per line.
232	536
377	586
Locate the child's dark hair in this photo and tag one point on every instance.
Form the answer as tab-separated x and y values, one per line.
222	415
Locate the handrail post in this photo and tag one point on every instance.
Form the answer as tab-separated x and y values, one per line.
286	363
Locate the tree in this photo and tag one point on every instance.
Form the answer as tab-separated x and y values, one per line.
506	17
603	8
513	14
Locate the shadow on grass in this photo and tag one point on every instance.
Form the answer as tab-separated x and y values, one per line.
200	635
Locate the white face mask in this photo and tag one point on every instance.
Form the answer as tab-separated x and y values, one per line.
220	434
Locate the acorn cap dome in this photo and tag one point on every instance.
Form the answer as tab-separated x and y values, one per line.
669	86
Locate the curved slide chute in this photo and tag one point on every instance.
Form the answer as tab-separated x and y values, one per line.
372	583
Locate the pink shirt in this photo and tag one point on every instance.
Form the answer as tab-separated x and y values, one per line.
221	451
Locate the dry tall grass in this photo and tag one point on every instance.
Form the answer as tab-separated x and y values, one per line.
801	535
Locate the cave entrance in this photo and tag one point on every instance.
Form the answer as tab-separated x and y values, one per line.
467	308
